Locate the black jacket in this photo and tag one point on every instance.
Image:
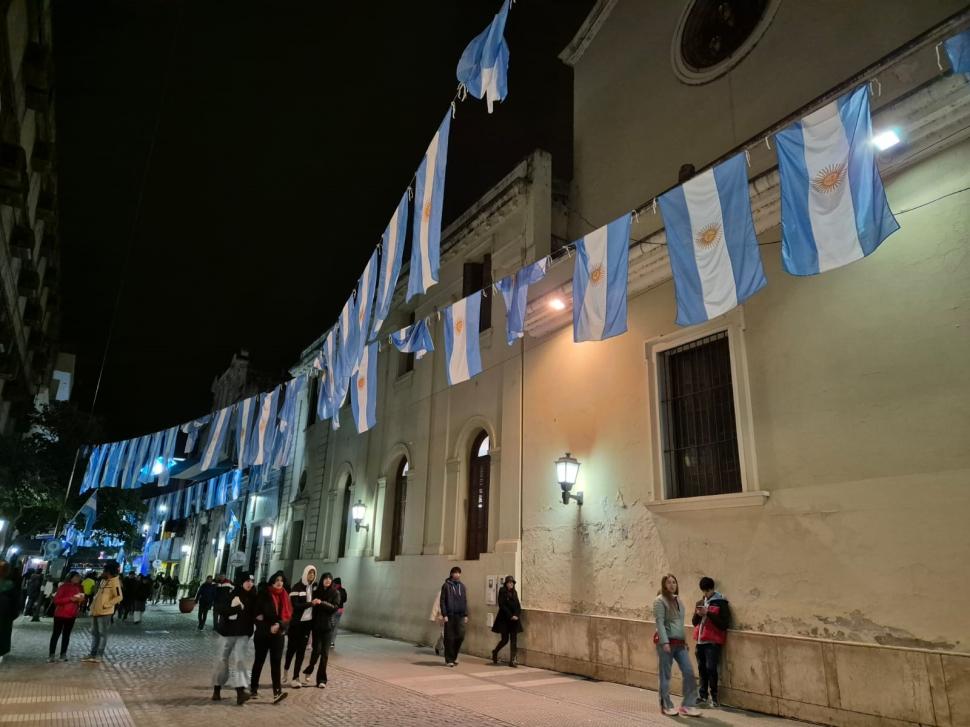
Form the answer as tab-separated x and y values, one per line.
265	607
206	595
298	599
508	606
236	620
323	613
454	599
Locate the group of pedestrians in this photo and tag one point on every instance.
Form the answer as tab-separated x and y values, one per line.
273	616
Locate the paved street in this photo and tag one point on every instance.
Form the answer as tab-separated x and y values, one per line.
158	674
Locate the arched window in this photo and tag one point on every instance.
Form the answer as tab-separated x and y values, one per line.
400	501
476	541
344	519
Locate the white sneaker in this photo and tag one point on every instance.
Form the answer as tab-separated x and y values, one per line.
307	678
294	684
670	711
691	712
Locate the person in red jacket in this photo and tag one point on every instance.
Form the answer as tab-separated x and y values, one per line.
67	603
712	616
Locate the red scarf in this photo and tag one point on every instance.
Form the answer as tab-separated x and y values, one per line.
281	599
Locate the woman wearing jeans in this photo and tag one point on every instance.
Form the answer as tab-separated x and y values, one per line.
668	612
67	603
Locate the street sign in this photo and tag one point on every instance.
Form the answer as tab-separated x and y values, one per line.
237	559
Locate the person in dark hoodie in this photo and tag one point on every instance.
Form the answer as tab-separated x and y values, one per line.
302	601
205	597
326	601
235	614
507	621
712	616
338	584
273	615
454	611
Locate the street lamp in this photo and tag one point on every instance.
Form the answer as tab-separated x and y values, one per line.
186	549
358	511
567	470
267	531
144	528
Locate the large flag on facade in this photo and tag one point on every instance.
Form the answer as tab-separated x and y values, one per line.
218	429
515	293
461	339
363	391
711	241
958	51
325	390
414	339
833	206
264	430
365	304
286	434
484	66
429	194
599	282
90	511
392	252
245	413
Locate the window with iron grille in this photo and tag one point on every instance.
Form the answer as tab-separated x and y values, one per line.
697	419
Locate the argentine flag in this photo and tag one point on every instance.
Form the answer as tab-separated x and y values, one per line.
346	338
429	193
168	454
363	393
392	252
711	241
137	455
958	51
115	460
264	431
414	339
365	304
515	292
286	436
233	528
461	339
833	207
90	511
245	411
218	429
484	66
599	282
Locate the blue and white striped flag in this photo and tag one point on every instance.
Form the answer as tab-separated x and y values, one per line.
188	498
363	392
218	429
146	474
515	292
461	339
484	66
429	193
325	391
264	431
233	526
414	339
138	453
365	304
245	413
168	454
92	474
115	461
711	241
392	251
958	51
833	206
599	282
191	429
346	337
90	512
286	434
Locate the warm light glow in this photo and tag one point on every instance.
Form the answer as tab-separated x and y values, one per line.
567	470
557	304
886	139
267	531
359	510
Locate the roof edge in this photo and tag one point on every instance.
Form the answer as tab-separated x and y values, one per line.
573	52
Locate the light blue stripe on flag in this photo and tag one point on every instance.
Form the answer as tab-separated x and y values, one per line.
599	282
429	192
364	390
136	460
191	429
168	454
484	65
365	305
958	51
392	252
145	475
711	241
515	293
245	413
264	430
218	428
286	434
833	205
90	512
346	338
115	460
461	339
414	339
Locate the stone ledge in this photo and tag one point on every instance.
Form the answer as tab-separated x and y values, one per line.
755	498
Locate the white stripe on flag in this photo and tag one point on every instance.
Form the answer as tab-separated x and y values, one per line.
713	261
458	355
593	312
427	202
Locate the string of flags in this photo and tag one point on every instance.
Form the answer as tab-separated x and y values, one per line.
833	211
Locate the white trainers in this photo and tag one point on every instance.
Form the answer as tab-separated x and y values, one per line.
307	678
691	712
670	711
294	684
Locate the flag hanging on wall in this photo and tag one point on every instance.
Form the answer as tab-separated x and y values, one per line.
218	429
515	292
245	412
414	339
429	193
264	430
484	66
365	304
363	391
392	252
599	282
286	434
461	339
958	51
833	206
711	241
346	338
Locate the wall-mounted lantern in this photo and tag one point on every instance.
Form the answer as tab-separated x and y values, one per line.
567	470
358	511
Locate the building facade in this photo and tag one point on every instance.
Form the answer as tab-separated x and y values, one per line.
29	258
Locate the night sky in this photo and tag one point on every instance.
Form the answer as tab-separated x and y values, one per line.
286	134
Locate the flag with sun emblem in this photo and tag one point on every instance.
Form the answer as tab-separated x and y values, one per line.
429	194
599	282
711	241
461	339
833	206
484	66
363	391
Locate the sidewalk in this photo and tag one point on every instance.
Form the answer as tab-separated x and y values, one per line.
158	674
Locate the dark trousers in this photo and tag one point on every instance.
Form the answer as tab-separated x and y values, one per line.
296	645
708	658
454	635
321	651
510	638
62	631
203	614
272	645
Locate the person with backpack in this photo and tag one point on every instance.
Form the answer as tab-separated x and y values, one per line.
235	615
273	615
507	620
712	616
671	643
67	605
